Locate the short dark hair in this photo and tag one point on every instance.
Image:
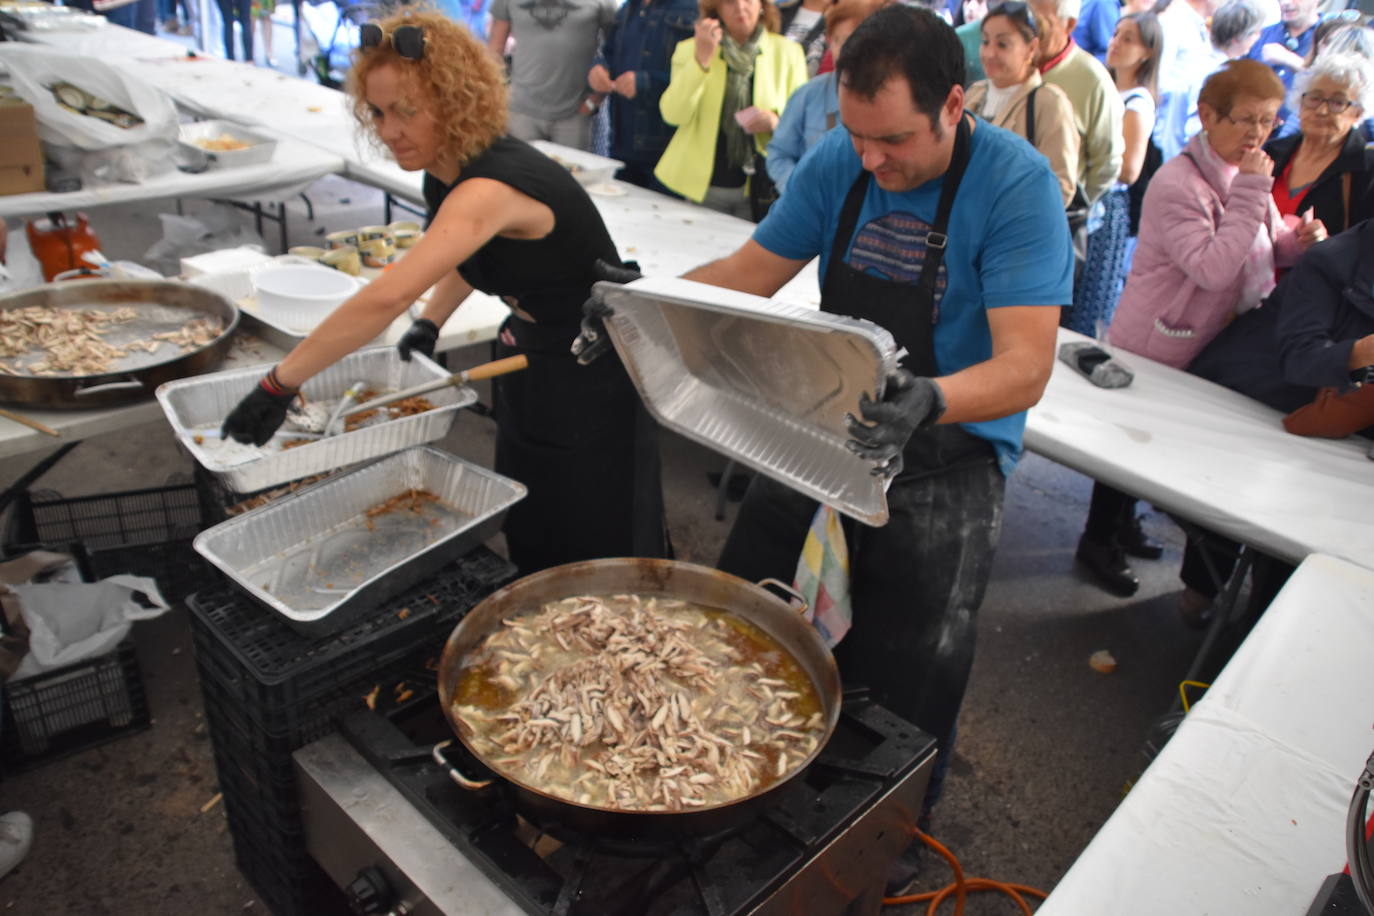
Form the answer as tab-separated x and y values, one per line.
904	41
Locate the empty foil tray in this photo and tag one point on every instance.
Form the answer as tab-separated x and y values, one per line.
766	383
317	558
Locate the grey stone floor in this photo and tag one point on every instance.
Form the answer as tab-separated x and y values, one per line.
1046	745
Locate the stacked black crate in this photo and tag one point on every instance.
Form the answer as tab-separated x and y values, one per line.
269	691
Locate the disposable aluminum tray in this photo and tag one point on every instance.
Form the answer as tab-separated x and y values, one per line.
766	383
316	558
202	402
259	147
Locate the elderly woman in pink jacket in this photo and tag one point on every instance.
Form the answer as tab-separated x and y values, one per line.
1210	240
1210	235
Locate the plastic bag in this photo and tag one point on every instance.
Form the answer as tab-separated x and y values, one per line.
183	236
133	164
72	621
33	70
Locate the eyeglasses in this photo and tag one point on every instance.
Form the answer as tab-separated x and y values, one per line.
407	40
1263	125
1332	105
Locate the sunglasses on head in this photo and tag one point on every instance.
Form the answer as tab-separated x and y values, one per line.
407	40
1016	11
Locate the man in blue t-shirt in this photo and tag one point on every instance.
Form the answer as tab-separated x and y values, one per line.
975	303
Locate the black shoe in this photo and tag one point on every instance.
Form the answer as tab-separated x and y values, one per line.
1107	562
1136	542
906	871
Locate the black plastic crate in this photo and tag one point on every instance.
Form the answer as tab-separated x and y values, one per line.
269	691
257	780
273	673
145	532
70	709
285	876
217	498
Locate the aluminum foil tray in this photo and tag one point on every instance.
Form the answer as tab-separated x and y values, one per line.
258	147
316	558
195	404
764	382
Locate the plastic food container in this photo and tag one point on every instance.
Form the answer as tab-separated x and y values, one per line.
300	296
767	383
198	139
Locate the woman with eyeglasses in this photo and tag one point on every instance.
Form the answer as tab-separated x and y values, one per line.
1326	167
511	222
1210	238
1210	234
1014	97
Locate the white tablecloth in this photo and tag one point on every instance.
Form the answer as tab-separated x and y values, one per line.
1243	812
1212	456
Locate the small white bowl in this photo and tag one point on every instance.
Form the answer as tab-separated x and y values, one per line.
300	296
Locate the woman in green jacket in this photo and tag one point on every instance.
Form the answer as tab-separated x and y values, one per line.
728	88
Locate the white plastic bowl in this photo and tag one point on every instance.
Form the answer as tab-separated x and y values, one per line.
300	296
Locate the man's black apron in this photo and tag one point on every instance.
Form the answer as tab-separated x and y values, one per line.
916	583
908	313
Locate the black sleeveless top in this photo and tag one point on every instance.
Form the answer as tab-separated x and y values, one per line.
551	277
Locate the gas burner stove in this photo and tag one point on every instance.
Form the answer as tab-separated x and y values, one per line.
389	825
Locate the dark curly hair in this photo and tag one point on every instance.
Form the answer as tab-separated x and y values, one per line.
457	81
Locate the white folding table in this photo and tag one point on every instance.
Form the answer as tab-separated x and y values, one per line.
1244	810
1211	456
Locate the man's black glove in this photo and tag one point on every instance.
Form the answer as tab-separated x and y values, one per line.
909	403
259	415
593	340
421	338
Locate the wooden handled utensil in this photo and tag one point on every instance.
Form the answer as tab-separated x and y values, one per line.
476	373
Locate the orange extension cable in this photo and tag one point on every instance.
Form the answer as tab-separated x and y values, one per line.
962	886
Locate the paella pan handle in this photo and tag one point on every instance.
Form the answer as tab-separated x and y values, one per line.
787	590
127	385
453	772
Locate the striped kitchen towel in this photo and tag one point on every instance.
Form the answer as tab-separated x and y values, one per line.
823	576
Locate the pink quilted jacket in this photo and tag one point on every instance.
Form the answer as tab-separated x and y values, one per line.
1197	226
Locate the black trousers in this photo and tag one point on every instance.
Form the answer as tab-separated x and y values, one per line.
242	11
916	585
580	439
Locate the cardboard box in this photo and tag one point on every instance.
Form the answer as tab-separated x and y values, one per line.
21	156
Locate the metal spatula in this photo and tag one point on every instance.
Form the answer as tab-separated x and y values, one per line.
476	373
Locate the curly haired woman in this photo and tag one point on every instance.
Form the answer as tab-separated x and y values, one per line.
511	222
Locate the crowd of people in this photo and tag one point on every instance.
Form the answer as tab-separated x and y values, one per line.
969	198
1250	118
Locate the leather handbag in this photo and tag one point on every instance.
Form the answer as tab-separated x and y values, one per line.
1333	415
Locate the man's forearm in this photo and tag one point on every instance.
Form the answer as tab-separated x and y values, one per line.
750	269
989	390
1014	377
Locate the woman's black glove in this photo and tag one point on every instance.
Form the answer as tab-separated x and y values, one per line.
421	338
909	403
259	415
593	339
